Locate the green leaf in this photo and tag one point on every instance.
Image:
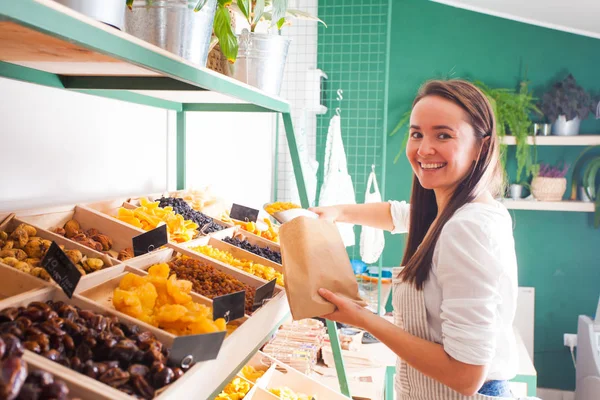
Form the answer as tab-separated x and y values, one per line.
589	176
279	12
597	210
577	165
304	15
259	9
244	6
199	5
227	39
129	4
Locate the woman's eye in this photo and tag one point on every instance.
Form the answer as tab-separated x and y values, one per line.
416	135
444	136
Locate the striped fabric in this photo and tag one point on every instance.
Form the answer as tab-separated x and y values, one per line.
410	314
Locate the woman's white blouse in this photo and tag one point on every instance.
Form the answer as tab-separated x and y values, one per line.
471	293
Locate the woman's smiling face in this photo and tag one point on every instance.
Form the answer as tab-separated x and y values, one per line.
442	144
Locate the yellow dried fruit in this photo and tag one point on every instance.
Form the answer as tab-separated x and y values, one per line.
251	373
279	206
235	390
33	262
92	264
20	237
164	303
34	248
41	273
31	231
23	267
251	267
285	393
8	244
3	235
74	255
12	261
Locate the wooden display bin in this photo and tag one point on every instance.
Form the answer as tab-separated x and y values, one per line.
92	388
185	248
15	282
135	201
12	223
120	232
110	209
256	239
238	234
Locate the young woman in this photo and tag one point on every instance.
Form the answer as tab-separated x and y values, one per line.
455	298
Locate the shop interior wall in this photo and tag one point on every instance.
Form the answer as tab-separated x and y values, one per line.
60	147
557	251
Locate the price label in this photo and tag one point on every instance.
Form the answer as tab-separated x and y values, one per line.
61	269
242	213
263	293
231	306
151	240
191	349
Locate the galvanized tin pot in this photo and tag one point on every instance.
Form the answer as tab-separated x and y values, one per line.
111	12
562	127
261	60
174	26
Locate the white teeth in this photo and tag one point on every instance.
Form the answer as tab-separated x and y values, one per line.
432	166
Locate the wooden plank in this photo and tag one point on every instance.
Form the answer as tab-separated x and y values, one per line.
576	140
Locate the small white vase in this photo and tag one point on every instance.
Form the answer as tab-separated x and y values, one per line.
516	191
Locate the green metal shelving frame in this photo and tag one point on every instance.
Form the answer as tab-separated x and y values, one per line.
175	76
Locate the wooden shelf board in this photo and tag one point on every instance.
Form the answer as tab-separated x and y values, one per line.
566	205
576	140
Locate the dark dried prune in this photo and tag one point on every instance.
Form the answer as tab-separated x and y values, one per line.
14	348
142	386
163	377
57	390
114	377
13	373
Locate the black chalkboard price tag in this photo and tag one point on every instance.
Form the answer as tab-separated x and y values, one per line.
242	213
191	349
263	293
151	240
230	306
61	269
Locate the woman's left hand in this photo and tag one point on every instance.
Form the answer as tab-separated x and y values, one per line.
347	311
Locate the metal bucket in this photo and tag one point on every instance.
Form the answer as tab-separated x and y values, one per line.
562	127
174	26
111	12
261	61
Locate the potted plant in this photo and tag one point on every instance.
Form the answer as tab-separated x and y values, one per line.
256	58
549	182
588	162
174	26
565	105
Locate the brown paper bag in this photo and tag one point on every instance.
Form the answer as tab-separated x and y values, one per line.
314	257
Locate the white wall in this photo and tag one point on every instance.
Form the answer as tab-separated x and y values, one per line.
60	147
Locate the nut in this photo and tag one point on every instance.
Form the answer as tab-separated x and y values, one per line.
104	240
71	228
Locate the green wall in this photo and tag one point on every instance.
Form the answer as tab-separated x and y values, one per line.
557	251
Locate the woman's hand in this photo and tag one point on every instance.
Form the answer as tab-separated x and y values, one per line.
347	311
330	213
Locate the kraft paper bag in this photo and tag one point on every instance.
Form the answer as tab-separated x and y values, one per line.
314	257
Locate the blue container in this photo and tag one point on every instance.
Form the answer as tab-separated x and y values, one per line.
358	266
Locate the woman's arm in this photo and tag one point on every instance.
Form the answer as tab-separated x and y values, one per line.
376	215
427	357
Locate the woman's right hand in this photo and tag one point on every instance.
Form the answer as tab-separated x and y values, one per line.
329	213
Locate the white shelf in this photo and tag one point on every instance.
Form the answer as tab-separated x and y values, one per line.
576	140
566	205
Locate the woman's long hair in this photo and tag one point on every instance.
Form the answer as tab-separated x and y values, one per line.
486	174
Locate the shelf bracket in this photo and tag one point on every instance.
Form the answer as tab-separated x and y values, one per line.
181	150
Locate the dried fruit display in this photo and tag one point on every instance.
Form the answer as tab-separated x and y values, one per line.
149	216
279	206
285	393
164	301
204	200
237	389
209	281
270	234
23	250
251	373
264	252
121	356
91	238
180	206
251	267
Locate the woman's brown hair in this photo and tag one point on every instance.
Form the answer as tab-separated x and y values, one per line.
425	224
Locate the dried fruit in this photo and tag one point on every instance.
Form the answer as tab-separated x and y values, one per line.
71	228
35	248
92	264
13	373
104	240
164	303
264	252
125	254
251	267
149	215
20	238
74	255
